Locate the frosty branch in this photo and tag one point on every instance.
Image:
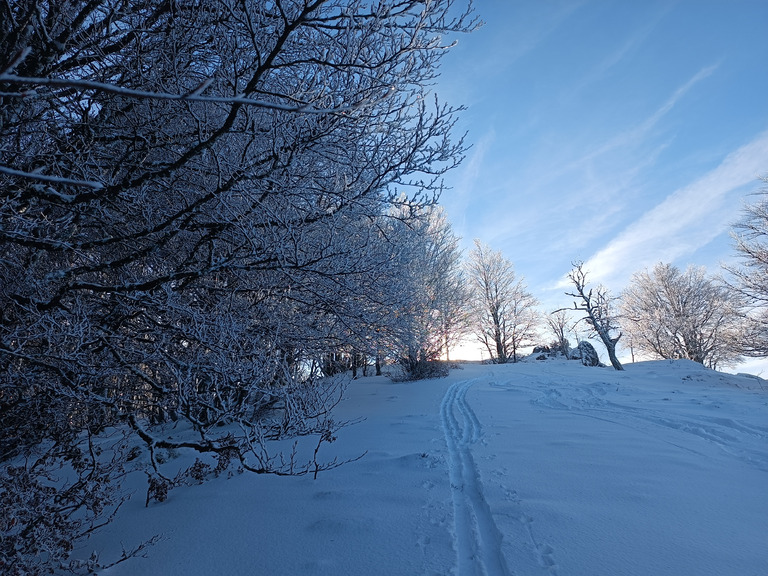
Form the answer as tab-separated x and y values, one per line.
596	304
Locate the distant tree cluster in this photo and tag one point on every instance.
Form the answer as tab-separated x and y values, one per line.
204	206
683	314
673	314
560	326
666	313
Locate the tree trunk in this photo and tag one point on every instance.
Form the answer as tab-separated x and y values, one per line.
501	353
610	345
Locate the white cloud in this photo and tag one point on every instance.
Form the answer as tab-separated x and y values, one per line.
463	192
641	131
623	155
686	220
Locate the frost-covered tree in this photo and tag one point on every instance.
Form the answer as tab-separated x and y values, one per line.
751	242
432	313
682	314
190	192
504	313
448	287
598	309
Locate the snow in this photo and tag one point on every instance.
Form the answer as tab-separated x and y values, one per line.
536	468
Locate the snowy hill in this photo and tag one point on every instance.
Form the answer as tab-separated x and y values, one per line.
536	468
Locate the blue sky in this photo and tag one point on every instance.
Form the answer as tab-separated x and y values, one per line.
617	133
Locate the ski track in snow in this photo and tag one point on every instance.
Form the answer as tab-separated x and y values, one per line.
589	400
478	539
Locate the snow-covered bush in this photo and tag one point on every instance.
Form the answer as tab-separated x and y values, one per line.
54	495
420	369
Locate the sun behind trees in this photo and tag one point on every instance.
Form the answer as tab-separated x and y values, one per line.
431	315
196	202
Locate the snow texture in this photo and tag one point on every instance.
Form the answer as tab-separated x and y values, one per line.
536	468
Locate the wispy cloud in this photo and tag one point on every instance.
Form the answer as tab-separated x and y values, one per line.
627	48
676	96
534	32
463	193
623	155
512	36
603	174
472	165
685	221
642	129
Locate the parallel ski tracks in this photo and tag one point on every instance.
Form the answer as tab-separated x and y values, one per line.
478	539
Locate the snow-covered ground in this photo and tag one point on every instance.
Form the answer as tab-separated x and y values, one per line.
537	468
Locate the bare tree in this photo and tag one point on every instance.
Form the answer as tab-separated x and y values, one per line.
560	326
751	242
598	308
190	198
674	314
505	315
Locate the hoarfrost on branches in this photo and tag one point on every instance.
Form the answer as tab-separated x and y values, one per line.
670	313
598	308
751	274
192	205
505	312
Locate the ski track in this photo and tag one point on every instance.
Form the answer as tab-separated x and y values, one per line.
589	401
478	539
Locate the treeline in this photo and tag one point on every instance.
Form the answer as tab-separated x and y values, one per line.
663	313
206	205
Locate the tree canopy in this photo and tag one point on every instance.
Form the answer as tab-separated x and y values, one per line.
682	314
195	199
